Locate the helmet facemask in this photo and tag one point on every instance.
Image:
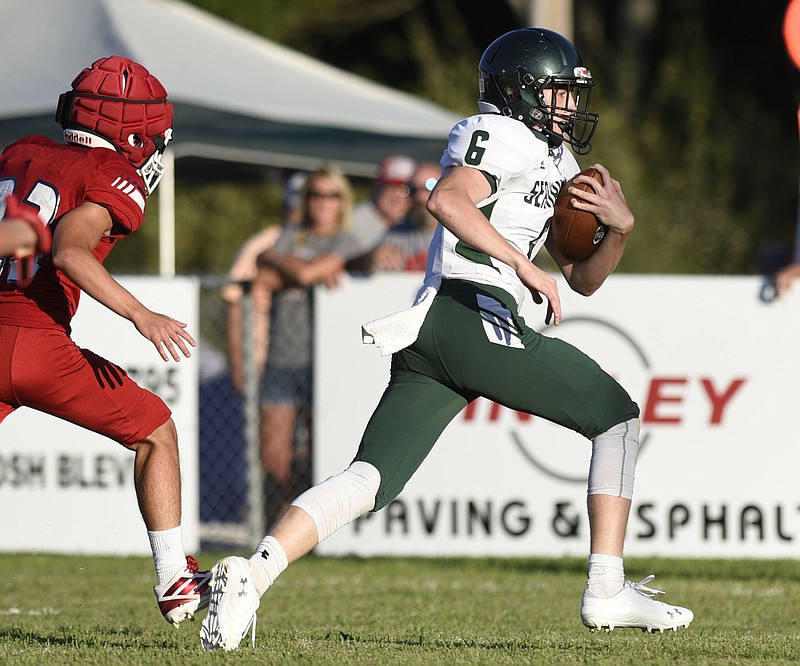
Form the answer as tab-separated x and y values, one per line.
153	169
526	100
536	76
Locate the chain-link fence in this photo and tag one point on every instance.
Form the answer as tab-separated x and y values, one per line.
247	475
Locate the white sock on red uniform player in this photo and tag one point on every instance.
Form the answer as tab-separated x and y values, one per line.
168	554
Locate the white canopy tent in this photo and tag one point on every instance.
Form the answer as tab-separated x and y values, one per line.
237	97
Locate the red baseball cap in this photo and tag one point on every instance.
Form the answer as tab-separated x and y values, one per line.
396	170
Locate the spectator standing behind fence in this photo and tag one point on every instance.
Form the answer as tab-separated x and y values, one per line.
389	202
315	252
244	269
405	246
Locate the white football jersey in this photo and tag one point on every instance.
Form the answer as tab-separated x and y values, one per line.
527	175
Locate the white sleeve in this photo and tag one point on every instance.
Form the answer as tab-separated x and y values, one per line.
500	147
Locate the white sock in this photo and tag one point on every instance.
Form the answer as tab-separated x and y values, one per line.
168	554
606	575
267	563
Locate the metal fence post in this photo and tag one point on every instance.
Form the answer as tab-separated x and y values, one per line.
255	500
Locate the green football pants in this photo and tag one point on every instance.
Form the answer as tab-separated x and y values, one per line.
474	343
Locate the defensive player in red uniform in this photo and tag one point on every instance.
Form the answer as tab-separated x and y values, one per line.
91	192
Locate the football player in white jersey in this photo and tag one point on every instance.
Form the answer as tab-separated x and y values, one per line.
463	337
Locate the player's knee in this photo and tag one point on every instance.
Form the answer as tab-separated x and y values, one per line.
614	454
385	495
342	498
163	437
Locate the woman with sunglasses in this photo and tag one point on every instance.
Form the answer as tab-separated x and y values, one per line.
314	252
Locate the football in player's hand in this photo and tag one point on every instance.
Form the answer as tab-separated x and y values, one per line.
576	233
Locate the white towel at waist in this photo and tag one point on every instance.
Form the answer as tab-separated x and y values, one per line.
397	331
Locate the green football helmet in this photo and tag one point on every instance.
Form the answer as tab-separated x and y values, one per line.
519	66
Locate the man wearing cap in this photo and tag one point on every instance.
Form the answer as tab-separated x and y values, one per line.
405	246
388	204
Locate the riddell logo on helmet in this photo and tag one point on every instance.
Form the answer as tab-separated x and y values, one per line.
81	138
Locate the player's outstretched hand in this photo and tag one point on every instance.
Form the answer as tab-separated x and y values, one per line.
166	334
541	285
21	243
44	240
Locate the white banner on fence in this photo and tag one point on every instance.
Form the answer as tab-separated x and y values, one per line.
712	367
66	489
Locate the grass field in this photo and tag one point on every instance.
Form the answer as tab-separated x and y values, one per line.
99	610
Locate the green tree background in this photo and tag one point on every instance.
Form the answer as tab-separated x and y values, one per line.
697	100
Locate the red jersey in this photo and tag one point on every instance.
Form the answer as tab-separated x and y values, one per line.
56	178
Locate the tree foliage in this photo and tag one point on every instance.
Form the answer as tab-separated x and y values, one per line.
697	116
698	120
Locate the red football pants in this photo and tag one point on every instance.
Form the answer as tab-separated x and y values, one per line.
45	370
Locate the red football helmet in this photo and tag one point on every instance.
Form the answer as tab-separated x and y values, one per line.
116	103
